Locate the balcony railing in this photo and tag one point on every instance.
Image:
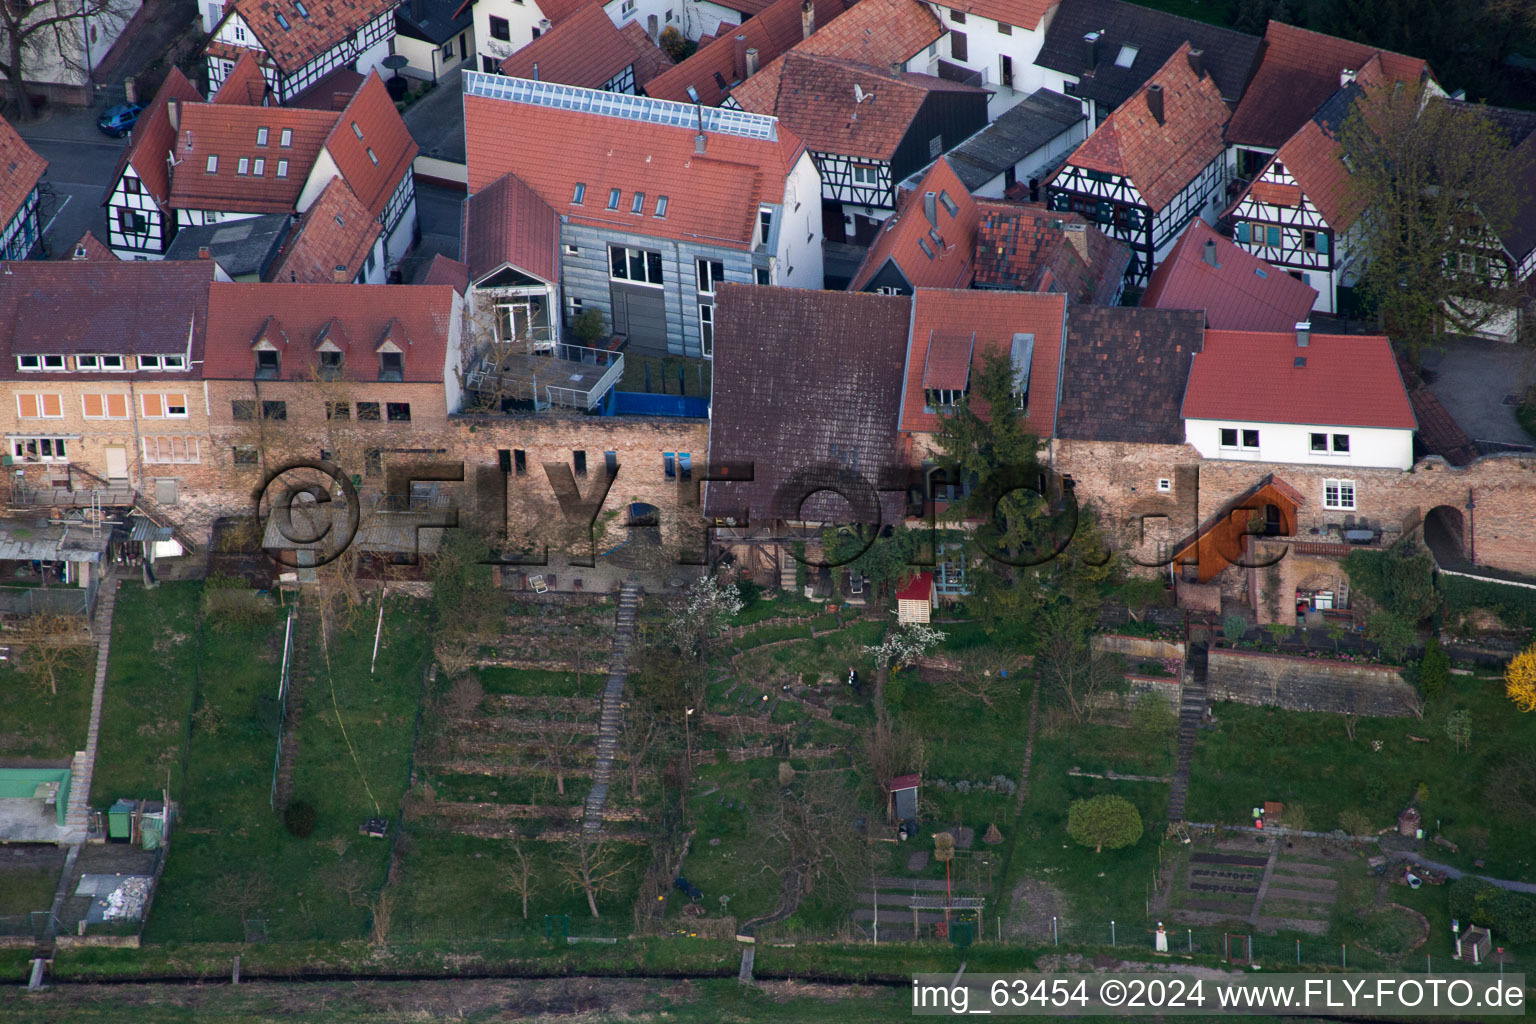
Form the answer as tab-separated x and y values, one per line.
573	376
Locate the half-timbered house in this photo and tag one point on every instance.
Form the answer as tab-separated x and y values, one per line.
1298	211
930	243
589	50
140	220
21	222
297	46
1154	164
991	43
719	66
866	127
658	202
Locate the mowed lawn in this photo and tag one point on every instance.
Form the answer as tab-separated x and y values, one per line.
1308	761
232	861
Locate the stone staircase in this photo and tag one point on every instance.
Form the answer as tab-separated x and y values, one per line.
787	574
83	766
1191	711
611	720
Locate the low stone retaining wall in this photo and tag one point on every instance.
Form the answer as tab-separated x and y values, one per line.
1308	684
1138	647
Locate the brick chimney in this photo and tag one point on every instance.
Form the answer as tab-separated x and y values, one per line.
340	275
1303	334
700	144
751	61
1209	253
1091	50
204	253
739	58
1155	101
1197	62
807	18
651	27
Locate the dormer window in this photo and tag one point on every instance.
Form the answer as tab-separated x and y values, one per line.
638	204
111	362
31	363
580	195
87	363
950	206
391	366
613	199
268	364
942	399
330	364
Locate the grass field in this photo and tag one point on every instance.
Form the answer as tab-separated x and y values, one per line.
35	723
155	647
1308	761
232	858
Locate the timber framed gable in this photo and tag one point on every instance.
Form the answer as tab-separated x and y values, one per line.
1276	221
846	179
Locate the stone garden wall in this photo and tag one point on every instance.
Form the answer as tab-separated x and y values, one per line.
1307	684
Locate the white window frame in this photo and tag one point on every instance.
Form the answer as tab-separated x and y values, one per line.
645	262
1164	485
866	174
703	269
261	136
1241	444
1330	443
53	363
174	362
153	455
707	329
112	363
286	137
19	448
149	362
213	163
82	366
282	168
1343	495
23	367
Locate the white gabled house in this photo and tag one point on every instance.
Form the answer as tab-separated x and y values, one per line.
296	45
140	221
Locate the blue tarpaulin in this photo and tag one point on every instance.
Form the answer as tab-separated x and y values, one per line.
639	403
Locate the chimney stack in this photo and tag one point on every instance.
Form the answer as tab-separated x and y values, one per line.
651	27
418	9
897	69
807	18
931	208
751	61
700	142
1155	101
173	113
1210	253
1034	190
739	58
340	275
204	253
1304	334
1091	50
1197	62
535	71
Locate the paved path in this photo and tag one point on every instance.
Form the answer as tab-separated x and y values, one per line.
1029	750
1191	710
612	718
1269	873
1450	872
77	816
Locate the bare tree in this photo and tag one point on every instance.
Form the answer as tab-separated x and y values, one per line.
592	868
811	832
639	734
240	893
36	35
894	750
1075	674
52	644
984	679
557	740
521	881
383	907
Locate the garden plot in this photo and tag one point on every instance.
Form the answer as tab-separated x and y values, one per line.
1279	886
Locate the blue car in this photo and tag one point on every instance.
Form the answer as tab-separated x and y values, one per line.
119	120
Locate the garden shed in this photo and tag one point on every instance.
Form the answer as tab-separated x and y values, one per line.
914	598
903	797
33	802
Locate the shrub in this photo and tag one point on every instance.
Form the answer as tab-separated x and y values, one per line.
1233	627
1393	633
589	326
1376	787
1399	580
1152	716
299	818
1434	670
1510	915
1104	820
1355	823
229	604
1520	679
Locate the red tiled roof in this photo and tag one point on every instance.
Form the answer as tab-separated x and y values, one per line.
559	10
1161	159
995	317
229	132
878	32
1024	246
20	171
952	264
416	317
1241	292
329	22
1348	381
506	223
584	49
332	91
917	587
1124	373
1020	13
816	98
336	231
1275	193
1312	157
771	33
371	145
71	306
95	249
948	363
153	137
245	84
650	59
443	270
714	196
1297	73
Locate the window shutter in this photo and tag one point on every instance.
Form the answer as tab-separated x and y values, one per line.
1272	236
117	406
153	406
53	405
1242	231
1322	243
26	406
94	405
179	401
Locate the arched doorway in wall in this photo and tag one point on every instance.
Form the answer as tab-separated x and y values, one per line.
1445	534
